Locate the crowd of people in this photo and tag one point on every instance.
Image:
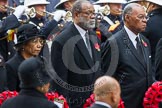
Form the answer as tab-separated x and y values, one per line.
111	48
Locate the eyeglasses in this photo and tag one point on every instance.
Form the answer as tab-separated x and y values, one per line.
142	17
89	13
38	40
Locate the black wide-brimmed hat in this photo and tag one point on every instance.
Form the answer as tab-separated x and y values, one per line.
33	72
27	32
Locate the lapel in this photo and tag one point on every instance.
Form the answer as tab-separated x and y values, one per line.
82	47
129	44
95	46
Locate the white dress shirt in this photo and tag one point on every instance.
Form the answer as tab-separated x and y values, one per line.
132	36
103	103
82	33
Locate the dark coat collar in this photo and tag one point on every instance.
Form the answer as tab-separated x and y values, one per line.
32	92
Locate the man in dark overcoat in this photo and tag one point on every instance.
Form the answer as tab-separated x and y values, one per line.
75	56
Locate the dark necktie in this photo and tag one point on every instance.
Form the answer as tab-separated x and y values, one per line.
139	48
88	44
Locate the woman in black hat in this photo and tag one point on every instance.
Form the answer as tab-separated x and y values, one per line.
29	43
34	77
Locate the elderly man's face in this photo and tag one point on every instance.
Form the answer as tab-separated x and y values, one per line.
136	21
86	18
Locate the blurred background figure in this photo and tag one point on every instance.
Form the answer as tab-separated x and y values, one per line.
107	93
6	39
40	8
3	9
35	82
141	2
65	5
63	17
112	22
62	8
50	7
15	3
30	43
153	30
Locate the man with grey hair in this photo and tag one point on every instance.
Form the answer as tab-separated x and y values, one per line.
107	93
133	66
75	56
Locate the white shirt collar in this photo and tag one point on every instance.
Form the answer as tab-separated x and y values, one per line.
82	32
103	103
131	36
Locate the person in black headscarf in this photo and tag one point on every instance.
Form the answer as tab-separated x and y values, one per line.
35	81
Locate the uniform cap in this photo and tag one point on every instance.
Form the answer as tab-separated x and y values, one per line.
35	2
110	1
60	4
158	2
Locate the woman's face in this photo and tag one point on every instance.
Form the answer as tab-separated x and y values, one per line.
33	47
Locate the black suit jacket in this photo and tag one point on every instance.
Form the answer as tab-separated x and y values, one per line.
29	98
133	73
98	106
73	64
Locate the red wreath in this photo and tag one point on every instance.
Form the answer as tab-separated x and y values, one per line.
153	95
91	100
6	95
54	95
51	96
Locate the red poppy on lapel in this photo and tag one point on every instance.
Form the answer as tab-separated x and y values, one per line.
144	43
97	46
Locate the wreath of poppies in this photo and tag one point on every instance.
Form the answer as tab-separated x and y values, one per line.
91	100
6	95
52	96
153	95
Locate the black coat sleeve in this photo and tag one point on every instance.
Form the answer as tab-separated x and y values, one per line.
158	60
9	23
